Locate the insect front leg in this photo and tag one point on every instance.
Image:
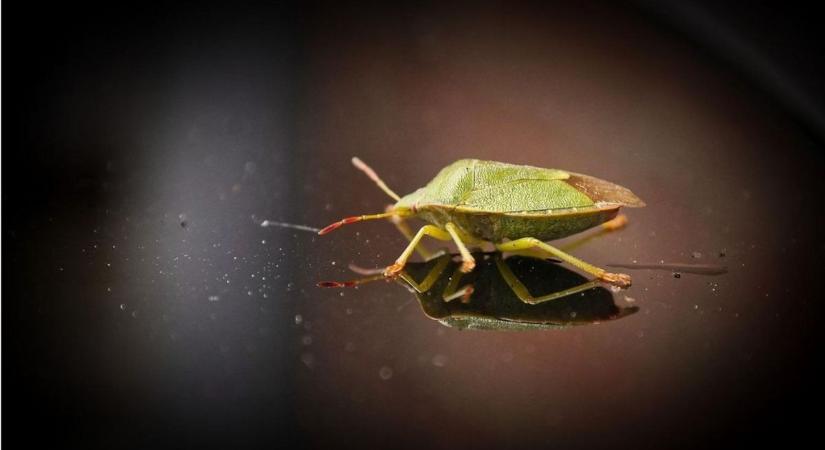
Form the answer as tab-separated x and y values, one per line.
404	229
618	279
431	277
426	230
523	293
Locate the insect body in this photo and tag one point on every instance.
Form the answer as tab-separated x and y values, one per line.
515	207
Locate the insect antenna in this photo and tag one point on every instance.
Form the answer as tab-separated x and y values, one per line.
354	219
374	177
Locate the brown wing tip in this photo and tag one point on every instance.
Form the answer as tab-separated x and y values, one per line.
604	192
634	202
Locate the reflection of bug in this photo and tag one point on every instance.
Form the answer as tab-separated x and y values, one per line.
515	207
513	294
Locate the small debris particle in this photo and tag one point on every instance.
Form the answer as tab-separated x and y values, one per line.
308	359
385	373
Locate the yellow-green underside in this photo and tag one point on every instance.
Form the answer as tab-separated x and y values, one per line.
497	227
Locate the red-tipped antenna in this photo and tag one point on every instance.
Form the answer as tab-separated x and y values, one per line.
354	219
374	177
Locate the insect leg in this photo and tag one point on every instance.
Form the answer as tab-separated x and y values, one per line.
536	253
430	278
404	229
451	292
616	223
619	279
524	295
428	230
467	260
611	225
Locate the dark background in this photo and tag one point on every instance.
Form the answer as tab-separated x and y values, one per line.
144	307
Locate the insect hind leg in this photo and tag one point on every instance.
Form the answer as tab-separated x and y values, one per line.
614	224
618	279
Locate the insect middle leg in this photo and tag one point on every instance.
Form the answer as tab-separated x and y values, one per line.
619	279
431	230
452	292
468	263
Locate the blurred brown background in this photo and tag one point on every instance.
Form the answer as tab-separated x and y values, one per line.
145	306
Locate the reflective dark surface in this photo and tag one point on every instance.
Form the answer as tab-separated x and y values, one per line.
144	305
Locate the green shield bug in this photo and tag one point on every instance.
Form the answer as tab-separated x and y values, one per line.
516	208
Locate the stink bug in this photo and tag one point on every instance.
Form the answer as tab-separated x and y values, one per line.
514	207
